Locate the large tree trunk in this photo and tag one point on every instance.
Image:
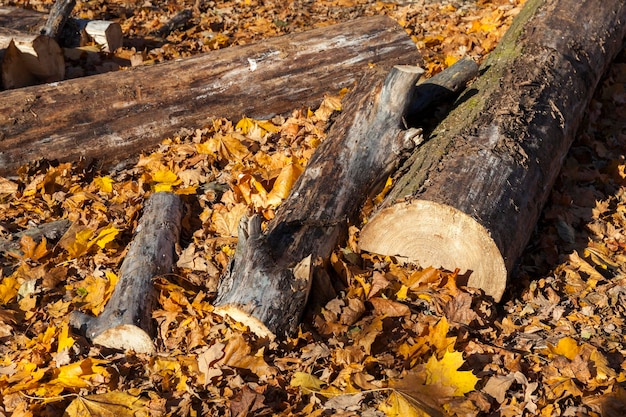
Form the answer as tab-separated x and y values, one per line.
112	116
126	322
268	285
470	197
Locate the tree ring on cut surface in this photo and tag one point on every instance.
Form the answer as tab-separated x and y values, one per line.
438	235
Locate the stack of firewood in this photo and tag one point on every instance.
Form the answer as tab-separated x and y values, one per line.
31	42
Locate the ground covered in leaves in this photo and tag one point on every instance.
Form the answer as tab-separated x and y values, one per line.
397	340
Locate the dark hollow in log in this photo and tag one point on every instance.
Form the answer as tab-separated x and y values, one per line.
470	197
140	107
29	59
126	322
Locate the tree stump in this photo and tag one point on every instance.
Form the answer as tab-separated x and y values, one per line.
470	196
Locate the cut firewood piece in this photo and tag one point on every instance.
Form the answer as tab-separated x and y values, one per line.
470	197
29	59
105	33
268	284
126	322
150	103
75	32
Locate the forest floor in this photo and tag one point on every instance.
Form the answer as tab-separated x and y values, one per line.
398	340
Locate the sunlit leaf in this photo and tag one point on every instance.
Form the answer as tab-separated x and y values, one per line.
398	406
445	372
567	347
106	235
287	177
110	404
9	286
104	184
307	382
65	340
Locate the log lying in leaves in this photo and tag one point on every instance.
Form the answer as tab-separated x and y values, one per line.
29	59
79	118
470	197
126	322
268	285
75	32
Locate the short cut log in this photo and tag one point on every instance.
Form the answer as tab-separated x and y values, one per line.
29	59
470	197
126	322
78	118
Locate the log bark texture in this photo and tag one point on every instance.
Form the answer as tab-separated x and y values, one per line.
268	284
470	197
126	322
59	13
140	107
29	59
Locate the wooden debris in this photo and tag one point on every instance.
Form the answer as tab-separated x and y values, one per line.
470	197
29	59
150	103
126	322
75	32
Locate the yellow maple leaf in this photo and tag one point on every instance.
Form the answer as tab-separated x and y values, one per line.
397	405
165	180
65	340
308	383
114	404
9	287
79	374
567	347
245	125
81	243
227	147
445	372
438	336
105	236
104	184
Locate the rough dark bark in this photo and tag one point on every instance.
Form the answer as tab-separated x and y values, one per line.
28	59
470	197
78	118
268	284
126	322
59	13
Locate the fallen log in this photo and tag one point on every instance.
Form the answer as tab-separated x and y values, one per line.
78	118
268	284
126	322
29	59
75	32
470	197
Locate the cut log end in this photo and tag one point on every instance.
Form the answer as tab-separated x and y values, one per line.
443	237
126	337
240	315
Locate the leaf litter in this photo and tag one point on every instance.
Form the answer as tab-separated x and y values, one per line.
398	340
